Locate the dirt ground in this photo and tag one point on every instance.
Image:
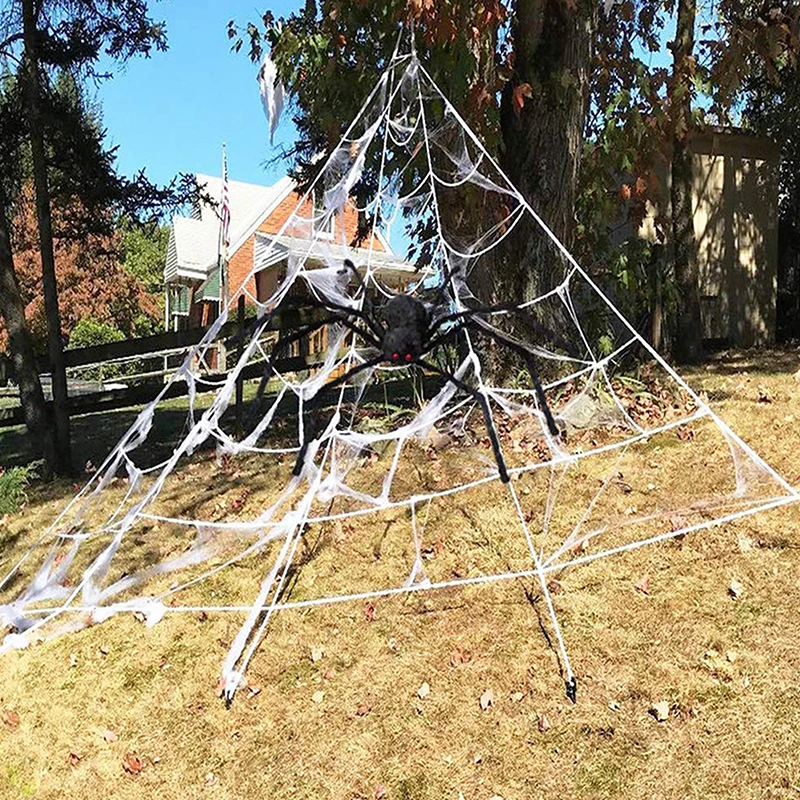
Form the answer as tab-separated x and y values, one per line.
451	694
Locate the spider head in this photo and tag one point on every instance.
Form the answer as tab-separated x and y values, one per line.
401	345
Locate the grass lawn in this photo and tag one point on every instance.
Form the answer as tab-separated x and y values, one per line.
333	707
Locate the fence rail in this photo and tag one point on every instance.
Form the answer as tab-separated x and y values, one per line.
117	384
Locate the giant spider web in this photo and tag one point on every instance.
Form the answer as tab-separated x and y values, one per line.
144	535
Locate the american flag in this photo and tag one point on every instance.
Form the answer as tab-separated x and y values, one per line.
226	207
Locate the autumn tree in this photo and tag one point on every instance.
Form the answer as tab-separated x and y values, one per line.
12	306
42	36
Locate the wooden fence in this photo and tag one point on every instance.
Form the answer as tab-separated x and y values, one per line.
133	389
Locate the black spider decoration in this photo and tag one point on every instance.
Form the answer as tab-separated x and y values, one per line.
403	331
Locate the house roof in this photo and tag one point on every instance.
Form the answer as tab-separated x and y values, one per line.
193	249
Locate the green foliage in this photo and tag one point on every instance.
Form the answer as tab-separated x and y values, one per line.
13	483
90	332
144	249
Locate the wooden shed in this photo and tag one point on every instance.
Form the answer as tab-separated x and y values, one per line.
735	206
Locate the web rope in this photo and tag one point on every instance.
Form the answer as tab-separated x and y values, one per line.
145	534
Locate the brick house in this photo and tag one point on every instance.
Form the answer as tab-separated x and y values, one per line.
258	215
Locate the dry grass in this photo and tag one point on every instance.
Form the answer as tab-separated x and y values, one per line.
727	668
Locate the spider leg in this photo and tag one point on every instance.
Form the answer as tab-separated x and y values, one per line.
487	414
331	305
282	344
262	321
480	325
314	401
541	330
299	334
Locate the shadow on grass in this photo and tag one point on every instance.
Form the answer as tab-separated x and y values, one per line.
754	361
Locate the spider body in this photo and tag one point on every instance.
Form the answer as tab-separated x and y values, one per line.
407	322
402	332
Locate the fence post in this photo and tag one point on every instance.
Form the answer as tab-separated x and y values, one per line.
239	379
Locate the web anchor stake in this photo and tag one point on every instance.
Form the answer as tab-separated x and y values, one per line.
572	689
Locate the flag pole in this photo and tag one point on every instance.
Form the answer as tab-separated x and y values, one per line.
224	232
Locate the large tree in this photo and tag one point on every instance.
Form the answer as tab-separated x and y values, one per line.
12	305
518	72
538	79
66	166
689	331
43	36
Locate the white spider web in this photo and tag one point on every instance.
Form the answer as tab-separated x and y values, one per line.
143	536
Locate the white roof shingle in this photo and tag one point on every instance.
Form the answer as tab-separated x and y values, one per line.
194	243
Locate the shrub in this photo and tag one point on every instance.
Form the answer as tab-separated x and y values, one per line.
13	483
90	332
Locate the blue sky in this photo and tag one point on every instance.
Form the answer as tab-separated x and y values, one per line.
170	113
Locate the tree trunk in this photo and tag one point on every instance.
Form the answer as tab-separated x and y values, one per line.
54	343
541	153
688	342
22	354
542	141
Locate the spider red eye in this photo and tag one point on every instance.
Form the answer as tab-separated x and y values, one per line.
408	356
395	356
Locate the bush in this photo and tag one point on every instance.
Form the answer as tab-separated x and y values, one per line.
13	483
90	332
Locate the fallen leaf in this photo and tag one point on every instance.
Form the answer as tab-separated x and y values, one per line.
10	718
253	689
543	724
110	736
746	544
764	395
370	612
210	778
487	699
736	589
643	584
459	656
732	656
74	758
614	705
380	791
318	696
317	652
517	697
423	691
363	709
73	660
132	764
660	710
104	649
329	674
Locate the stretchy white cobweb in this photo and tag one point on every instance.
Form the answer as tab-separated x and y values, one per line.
403	494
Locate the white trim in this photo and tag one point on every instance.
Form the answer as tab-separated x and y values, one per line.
288	187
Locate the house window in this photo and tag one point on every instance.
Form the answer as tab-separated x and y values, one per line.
323	226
